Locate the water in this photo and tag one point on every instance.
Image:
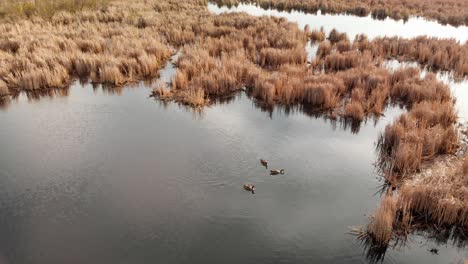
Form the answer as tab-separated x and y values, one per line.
354	25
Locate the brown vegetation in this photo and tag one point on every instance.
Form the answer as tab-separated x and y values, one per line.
454	12
437	54
89	45
380	226
426	131
192	97
46	9
355	111
438	196
407	146
465	166
3	89
272	68
433	53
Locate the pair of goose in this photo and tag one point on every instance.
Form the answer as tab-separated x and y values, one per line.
272	172
251	187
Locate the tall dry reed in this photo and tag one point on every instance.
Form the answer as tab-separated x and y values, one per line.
95	45
381	224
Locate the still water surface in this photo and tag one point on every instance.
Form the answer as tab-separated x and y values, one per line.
96	177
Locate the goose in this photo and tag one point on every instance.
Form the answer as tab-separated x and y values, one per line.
276	172
264	163
249	187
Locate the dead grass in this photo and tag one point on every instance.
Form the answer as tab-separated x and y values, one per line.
423	133
354	110
436	54
317	35
380	226
194	97
88	45
335	36
440	193
454	12
3	89
162	92
465	166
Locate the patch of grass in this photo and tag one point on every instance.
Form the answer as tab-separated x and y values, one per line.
465	166
3	89
317	35
380	226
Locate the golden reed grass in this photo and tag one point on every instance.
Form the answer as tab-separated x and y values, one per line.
454	12
102	45
408	145
438	196
433	53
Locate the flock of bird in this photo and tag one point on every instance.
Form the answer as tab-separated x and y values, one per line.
251	187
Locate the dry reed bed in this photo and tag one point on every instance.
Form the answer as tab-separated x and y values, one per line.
438	196
235	51
433	53
105	46
437	54
454	12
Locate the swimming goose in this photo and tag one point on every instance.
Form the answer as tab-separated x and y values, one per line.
249	187
276	172
264	163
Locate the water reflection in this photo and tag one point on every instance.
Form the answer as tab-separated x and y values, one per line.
316	113
354	25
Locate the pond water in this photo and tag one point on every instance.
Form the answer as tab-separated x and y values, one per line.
354	25
95	175
92	176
